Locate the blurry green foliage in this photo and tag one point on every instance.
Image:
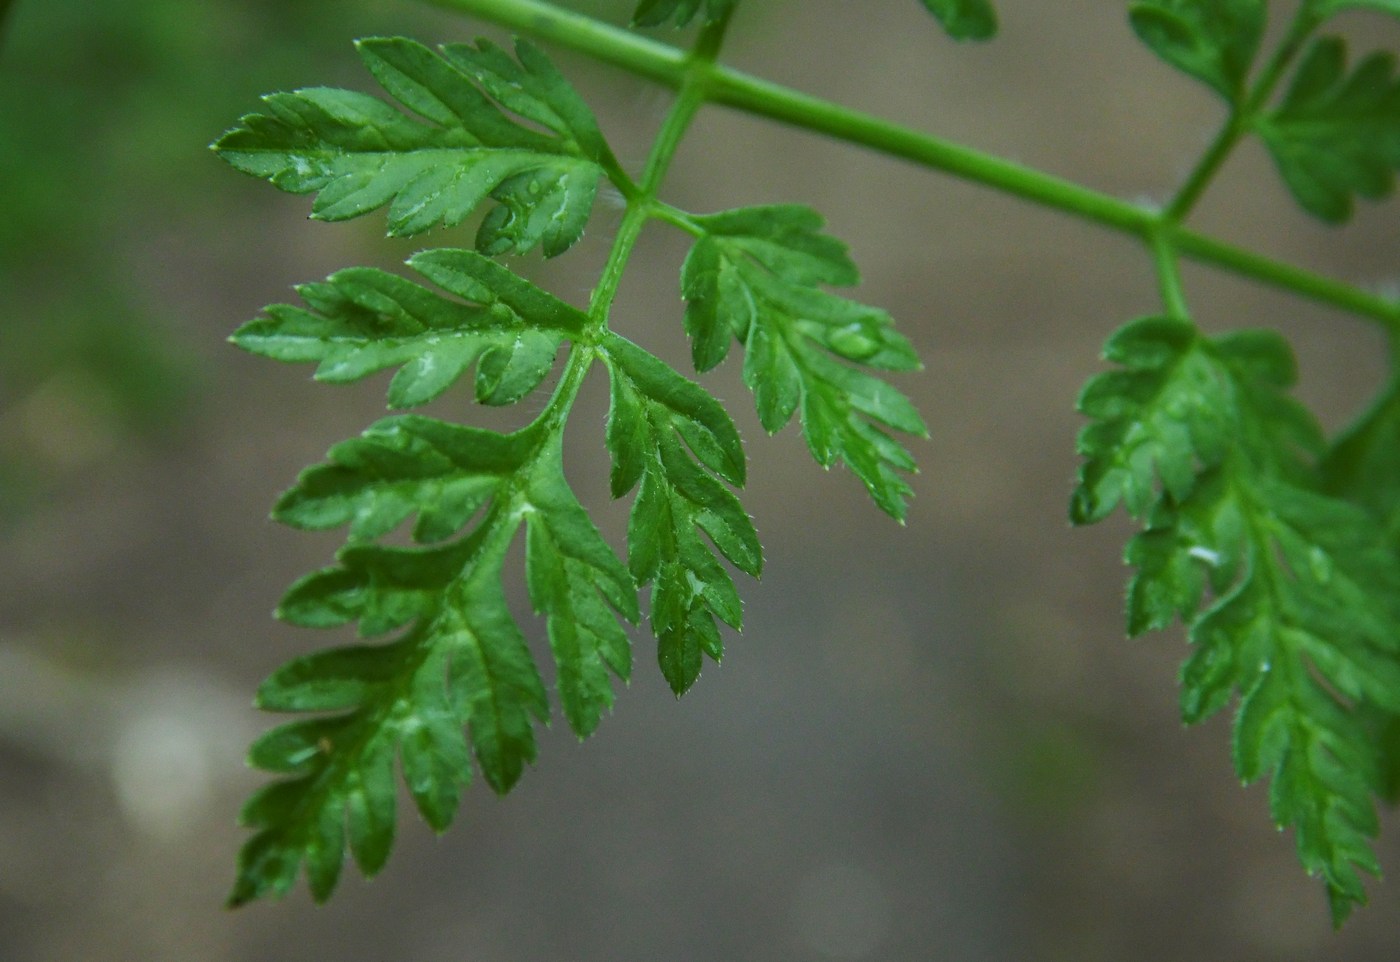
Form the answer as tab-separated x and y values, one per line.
105	112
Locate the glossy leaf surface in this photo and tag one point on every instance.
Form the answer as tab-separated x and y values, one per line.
476	141
671	437
755	275
364	320
1289	592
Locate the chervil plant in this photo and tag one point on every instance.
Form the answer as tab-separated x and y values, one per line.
1275	545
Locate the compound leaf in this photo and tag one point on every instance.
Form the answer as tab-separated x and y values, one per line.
1214	41
655	13
362	320
670	436
753	275
357	153
461	661
1336	134
1289	593
964	19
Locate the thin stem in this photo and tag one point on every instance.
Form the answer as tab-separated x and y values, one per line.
1164	258
1242	113
668	66
698	70
641	203
1180	206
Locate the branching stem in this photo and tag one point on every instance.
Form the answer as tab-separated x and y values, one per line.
668	66
641	205
1242	114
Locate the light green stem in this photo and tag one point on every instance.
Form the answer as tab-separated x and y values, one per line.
1242	114
668	66
1164	257
641	205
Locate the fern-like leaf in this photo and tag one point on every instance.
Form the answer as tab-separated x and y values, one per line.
1289	593
364	320
672	437
462	660
755	275
1336	135
357	153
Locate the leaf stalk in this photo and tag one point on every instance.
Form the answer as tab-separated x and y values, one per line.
670	67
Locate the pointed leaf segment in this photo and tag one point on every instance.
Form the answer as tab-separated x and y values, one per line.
462	660
476	141
1336	133
1214	41
964	19
755	274
363	320
672	437
1289	592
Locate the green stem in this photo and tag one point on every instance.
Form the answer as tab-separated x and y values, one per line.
1164	257
641	205
699	68
1242	113
1205	170
668	66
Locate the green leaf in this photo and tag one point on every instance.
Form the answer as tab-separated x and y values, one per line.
362	320
655	13
1291	595
1214	41
1168	412
463	664
1363	464
461	661
964	19
401	465
571	574
1336	135
1326	8
675	440
357	153
753	276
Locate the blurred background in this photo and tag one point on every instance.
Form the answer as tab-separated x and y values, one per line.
930	742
